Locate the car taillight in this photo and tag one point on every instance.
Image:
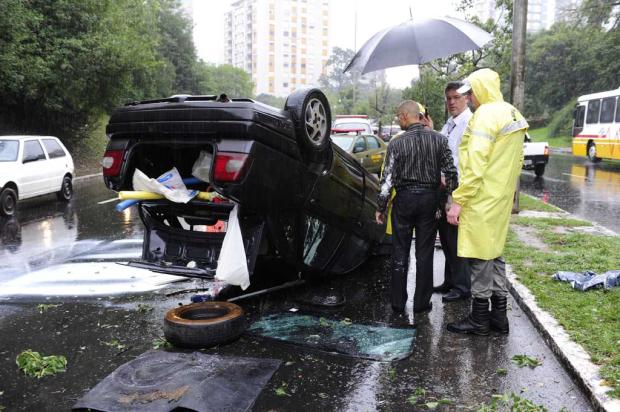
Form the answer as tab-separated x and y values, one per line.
546	150
111	162
229	167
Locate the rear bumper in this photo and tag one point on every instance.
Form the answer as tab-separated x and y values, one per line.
529	161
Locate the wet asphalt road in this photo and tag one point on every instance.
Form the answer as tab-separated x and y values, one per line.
461	369
588	190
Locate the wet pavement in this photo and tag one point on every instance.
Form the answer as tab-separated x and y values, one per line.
464	370
587	190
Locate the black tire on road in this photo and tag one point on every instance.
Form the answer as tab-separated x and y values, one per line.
8	201
204	324
539	169
66	189
591	153
311	117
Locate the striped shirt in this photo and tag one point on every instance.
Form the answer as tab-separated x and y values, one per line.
415	160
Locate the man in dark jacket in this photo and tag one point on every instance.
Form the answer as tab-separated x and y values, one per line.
413	166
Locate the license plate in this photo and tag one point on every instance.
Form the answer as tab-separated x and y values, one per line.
527	162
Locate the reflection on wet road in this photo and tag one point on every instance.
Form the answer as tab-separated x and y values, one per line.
45	233
588	190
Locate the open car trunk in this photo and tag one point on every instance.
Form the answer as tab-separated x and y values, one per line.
185	239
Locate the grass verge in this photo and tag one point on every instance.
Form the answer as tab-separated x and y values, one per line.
542	135
527	202
591	318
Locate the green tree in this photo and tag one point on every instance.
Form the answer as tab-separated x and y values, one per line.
429	90
232	81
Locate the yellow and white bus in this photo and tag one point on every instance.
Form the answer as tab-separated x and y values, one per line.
596	126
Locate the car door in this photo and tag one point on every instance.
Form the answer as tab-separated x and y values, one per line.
57	163
375	153
360	151
34	173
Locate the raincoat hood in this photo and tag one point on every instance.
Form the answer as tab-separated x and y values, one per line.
485	86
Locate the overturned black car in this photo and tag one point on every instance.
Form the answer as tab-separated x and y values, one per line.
302	200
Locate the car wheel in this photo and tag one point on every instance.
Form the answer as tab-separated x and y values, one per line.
8	201
204	324
592	153
66	189
311	116
539	169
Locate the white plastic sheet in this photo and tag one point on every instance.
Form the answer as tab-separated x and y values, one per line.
170	185
232	266
202	166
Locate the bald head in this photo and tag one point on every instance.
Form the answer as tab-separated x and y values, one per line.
408	113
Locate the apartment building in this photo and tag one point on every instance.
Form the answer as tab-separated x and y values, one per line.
283	44
541	14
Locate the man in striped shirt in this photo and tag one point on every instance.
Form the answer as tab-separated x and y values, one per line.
413	166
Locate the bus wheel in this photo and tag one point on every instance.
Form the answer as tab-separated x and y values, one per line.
592	153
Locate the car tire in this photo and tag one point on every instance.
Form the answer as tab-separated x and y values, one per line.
66	189
8	201
204	324
539	169
591	153
311	115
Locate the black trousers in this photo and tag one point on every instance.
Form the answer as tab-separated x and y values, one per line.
456	271
413	209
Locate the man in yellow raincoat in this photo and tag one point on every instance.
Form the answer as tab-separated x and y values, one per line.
491	155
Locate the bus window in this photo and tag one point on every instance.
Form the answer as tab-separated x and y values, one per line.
618	113
607	109
594	109
580	111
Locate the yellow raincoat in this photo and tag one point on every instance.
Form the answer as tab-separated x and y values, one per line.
491	155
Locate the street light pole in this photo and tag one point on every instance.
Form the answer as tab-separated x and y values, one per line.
517	76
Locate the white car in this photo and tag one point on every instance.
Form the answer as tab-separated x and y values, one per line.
350	122
32	166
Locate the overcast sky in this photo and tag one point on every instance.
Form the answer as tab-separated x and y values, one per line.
372	16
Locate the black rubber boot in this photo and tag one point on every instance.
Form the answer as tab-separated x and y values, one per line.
499	320
477	322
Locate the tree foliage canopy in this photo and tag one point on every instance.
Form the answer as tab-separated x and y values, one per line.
63	63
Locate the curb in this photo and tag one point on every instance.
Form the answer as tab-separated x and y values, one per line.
570	354
80	178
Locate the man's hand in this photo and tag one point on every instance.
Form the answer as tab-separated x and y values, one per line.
379	217
453	214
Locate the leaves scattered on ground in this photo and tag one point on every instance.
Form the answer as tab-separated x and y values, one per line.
144	308
282	390
115	343
524	360
323	322
43	307
510	402
162	343
501	371
346	321
36	365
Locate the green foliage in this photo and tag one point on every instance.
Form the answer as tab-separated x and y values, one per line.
561	123
511	402
162	343
566	62
33	364
232	81
275	101
524	360
116	344
429	90
43	307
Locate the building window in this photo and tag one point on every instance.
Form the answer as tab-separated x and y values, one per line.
285	84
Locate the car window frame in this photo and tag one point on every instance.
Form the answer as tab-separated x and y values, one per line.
15	159
372	138
39	158
50	154
360	139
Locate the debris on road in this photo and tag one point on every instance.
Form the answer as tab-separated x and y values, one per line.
38	366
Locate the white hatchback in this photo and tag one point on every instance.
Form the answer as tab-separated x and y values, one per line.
32	166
